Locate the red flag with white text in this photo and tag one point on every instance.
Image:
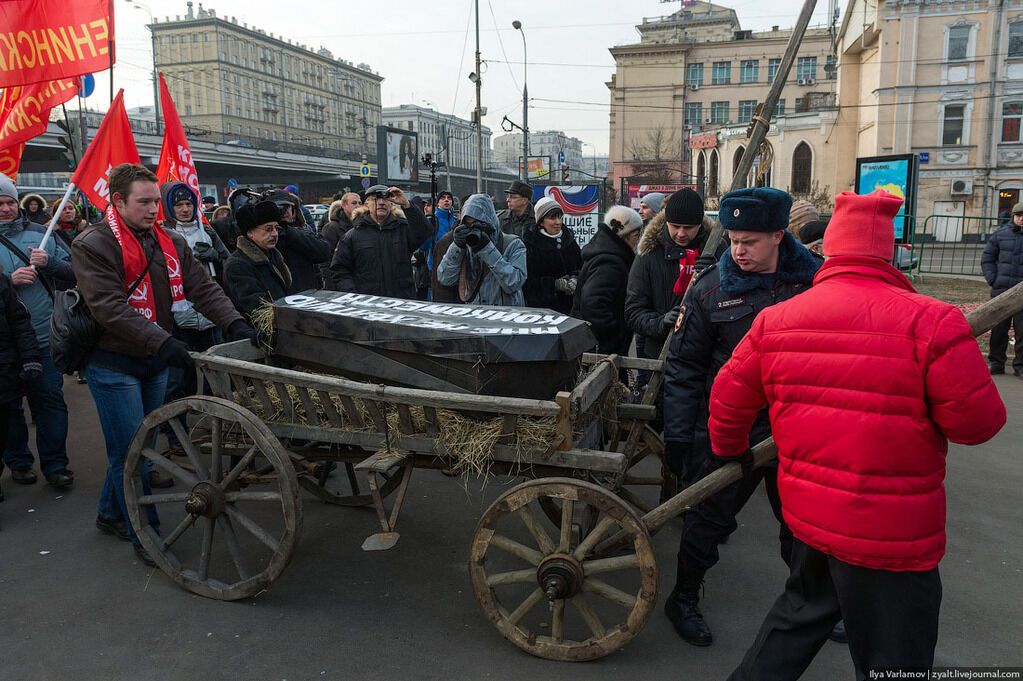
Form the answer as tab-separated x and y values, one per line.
176	163
24	114
113	145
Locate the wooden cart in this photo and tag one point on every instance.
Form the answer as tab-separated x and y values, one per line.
239	457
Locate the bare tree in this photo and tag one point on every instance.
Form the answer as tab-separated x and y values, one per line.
655	155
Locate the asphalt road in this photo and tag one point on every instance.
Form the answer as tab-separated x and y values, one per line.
75	604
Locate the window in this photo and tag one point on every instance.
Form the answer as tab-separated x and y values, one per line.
736	160
712	177
747	107
749	70
719	112
779	108
694	114
802	169
722	74
1012	113
958	42
1016	39
772	69
799	104
694	74
701	170
952	124
806	68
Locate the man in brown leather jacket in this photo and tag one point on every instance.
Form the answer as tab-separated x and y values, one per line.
133	276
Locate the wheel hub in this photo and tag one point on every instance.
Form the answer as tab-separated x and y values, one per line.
205	499
560	576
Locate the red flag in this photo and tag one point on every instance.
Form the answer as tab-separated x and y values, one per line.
43	40
10	159
176	164
113	145
24	114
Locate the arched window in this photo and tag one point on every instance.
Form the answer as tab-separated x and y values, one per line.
802	169
701	172
736	160
712	176
765	180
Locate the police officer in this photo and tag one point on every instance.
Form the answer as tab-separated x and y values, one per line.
764	265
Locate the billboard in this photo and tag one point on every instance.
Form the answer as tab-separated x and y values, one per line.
397	155
896	175
539	167
579	203
637	191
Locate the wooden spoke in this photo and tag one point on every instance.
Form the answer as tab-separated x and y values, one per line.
526	605
531	556
543	540
217	441
207	548
596	567
231	539
169	467
567	510
558	620
609	592
593	537
151	499
240	467
233	497
514	577
590	617
254	529
194	456
186	523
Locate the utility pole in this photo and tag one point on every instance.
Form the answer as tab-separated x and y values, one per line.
517	25
479	108
762	120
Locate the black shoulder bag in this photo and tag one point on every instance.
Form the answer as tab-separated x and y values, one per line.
74	333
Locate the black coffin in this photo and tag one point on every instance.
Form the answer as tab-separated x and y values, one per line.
504	351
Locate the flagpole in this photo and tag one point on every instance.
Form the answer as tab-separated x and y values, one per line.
56	215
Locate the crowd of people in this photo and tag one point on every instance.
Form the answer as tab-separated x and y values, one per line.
760	342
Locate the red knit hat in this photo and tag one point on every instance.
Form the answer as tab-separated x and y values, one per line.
863	225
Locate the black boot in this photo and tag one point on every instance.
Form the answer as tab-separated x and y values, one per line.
682	608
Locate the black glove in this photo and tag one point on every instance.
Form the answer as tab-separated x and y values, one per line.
477	240
174	353
460	234
670	317
746	462
676	454
204	252
31	372
240	330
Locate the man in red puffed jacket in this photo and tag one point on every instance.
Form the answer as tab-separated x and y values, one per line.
866	382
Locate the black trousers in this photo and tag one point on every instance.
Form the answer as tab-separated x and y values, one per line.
1000	342
891	618
710	522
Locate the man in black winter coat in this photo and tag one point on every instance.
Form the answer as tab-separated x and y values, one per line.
256	272
1002	264
665	262
303	249
375	256
600	291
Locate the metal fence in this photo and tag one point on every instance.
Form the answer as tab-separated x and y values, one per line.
951	244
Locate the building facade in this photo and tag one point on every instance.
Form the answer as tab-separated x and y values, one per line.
549	143
448	138
943	80
683	98
238	84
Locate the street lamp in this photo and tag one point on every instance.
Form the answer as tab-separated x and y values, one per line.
517	25
152	36
591	146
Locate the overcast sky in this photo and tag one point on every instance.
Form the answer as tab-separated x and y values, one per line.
425	50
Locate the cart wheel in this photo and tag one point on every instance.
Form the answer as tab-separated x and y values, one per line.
520	562
643	475
335	482
230	525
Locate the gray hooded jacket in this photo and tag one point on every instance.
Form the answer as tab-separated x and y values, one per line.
502	262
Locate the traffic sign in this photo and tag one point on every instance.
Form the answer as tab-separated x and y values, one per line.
86	85
365	182
232	183
925	157
561	158
364	170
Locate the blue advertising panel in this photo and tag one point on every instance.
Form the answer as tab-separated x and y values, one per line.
896	175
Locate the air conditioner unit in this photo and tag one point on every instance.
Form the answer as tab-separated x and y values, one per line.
694	86
803	81
962	187
708	120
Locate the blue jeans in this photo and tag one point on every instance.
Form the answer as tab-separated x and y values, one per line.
122	401
46	400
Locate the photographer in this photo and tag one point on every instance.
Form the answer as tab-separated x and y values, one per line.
303	249
375	255
487	265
